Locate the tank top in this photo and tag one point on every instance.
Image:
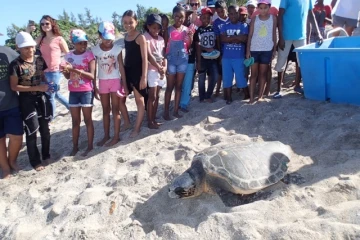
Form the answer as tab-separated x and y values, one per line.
133	61
51	52
262	39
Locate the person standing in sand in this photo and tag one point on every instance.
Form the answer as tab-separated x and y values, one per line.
135	67
80	70
10	117
345	15
111	86
27	77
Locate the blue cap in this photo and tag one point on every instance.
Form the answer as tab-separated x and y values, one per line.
210	3
78	35
107	30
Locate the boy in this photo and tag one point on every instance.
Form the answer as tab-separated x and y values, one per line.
221	10
10	118
205	42
27	77
234	37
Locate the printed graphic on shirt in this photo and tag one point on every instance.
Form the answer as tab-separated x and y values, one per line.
31	74
107	63
206	37
77	81
4	64
263	31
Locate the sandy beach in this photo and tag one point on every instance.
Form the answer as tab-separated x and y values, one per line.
121	192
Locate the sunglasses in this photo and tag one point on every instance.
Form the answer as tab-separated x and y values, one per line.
194	4
45	24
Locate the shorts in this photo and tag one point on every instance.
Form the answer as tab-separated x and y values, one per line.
154	80
11	122
81	99
262	57
283	54
177	65
231	67
344	22
107	86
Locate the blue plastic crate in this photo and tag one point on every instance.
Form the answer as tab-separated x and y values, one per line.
331	71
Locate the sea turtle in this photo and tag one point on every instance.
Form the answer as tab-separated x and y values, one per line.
244	168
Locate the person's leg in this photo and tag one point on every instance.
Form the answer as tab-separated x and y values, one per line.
140	103
201	80
213	77
280	65
350	26
297	44
124	114
253	78
116	119
219	79
156	104
338	22
263	70
178	86
45	138
87	113
57	76
151	108
4	163
228	76
170	83
105	103
186	87
239	69
268	81
76	119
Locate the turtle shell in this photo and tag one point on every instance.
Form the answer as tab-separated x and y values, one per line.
245	168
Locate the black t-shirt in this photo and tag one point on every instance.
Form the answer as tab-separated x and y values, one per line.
8	98
205	36
28	73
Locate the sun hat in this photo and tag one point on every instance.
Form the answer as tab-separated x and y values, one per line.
252	3
153	18
248	62
206	10
243	10
264	2
78	35
210	3
107	30
24	39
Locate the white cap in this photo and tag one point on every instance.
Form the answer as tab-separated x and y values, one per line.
251	2
24	39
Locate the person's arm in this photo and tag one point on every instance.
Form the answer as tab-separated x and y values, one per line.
144	56
314	25
152	59
63	46
274	35
280	27
251	32
333	3
14	84
122	72
166	36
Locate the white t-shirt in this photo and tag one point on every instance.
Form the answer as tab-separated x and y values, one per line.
108	64
347	9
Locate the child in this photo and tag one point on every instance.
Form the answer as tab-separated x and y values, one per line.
135	67
107	60
234	37
205	42
157	65
178	40
261	46
221	10
80	71
27	77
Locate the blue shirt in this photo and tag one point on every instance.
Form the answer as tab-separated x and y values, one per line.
218	23
234	50
295	17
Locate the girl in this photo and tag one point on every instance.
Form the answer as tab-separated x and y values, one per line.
178	40
157	65
135	67
107	60
80	71
52	46
261	46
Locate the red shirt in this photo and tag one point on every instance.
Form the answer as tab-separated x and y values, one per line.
327	9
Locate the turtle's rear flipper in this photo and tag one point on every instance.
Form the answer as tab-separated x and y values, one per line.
232	200
293	178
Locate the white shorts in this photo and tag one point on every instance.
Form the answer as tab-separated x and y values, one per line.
154	80
283	55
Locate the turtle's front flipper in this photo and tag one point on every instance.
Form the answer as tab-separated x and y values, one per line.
232	200
293	178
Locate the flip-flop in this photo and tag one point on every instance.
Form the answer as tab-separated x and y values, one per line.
248	62
277	95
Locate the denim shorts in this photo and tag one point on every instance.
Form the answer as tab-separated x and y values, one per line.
81	99
343	21
262	57
11	122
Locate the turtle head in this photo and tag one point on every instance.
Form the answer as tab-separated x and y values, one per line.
189	184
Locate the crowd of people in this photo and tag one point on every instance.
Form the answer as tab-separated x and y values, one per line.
219	42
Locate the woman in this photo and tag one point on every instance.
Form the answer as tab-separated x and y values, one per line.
52	46
193	18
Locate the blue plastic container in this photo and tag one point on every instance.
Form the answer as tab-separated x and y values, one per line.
331	71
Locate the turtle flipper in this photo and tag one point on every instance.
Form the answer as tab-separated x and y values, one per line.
232	200
293	178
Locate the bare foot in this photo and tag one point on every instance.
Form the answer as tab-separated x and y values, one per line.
158	123
103	141
113	141
252	102
74	151
125	127
84	154
153	126
46	162
167	118
39	168
217	93
134	134
14	166
6	174
177	115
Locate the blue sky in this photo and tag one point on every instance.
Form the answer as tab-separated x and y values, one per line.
20	11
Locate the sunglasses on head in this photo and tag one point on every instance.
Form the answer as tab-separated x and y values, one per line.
194	4
45	24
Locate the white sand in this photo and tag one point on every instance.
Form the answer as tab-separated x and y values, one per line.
72	198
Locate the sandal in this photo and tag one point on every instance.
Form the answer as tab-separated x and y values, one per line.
277	95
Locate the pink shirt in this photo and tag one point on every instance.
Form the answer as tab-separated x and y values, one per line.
51	52
156	47
76	82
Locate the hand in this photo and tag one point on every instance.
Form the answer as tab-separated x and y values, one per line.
42	88
143	83
248	55
160	69
320	39
96	93
126	90
281	44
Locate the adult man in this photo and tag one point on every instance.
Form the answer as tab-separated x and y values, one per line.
345	15
10	118
293	15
